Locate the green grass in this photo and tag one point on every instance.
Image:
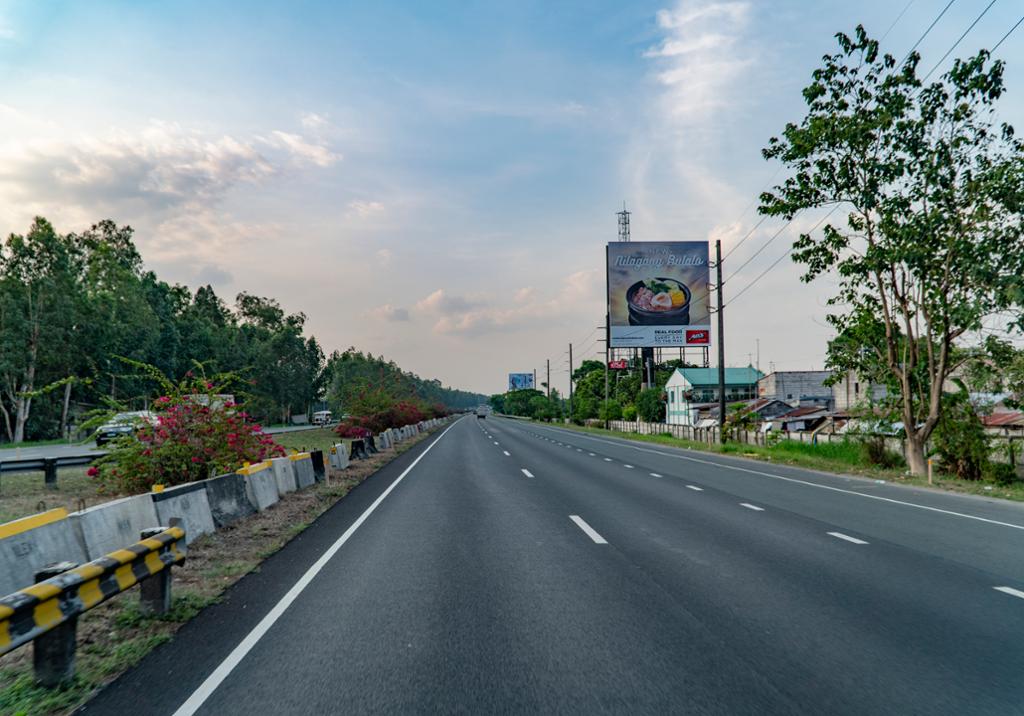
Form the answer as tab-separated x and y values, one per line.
319	439
43	443
24	493
847	457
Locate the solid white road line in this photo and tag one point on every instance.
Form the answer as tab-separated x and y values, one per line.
527	472
654	474
201	694
694	487
848	538
751	507
507	454
1010	590
727	466
629	466
588	530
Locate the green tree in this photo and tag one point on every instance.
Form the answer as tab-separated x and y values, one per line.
934	195
650	405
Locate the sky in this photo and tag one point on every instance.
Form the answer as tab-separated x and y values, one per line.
436	182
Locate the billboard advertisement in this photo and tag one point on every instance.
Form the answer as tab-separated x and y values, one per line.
658	294
520	381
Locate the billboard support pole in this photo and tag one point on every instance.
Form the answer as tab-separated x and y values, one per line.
721	346
549	379
606	359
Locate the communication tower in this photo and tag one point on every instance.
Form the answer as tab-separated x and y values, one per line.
623	223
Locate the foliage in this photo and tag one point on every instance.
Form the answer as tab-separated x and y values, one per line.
361	384
629	412
874	452
195	436
740	416
934	191
610	410
650	405
960	439
348	429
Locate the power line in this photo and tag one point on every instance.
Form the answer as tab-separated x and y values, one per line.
763	247
1009	32
779	260
959	40
898	18
920	39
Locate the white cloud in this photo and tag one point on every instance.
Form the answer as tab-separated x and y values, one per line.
361	209
387	312
6	31
302	148
313	121
384	256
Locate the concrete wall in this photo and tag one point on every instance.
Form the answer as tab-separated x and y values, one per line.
302	468
189	504
228	499
24	553
792	385
260	485
284	474
113	525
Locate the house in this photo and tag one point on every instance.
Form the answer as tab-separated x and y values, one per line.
797	387
764	409
800	419
688	386
1004	423
852	390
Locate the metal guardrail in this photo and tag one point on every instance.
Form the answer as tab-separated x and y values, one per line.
47	612
47	465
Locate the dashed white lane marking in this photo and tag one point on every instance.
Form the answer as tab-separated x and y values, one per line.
694	487
577	449
607	459
495	442
848	538
507	453
628	466
654	474
591	454
588	530
1010	590
751	507
527	472
727	466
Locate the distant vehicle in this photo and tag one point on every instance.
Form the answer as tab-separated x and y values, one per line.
322	417
481	412
123	424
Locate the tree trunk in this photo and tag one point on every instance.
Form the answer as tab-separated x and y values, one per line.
64	411
915	454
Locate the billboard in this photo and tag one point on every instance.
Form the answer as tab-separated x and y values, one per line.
658	294
618	365
520	381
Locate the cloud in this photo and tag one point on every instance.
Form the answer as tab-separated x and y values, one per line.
312	121
464	316
384	256
213	275
302	148
388	312
360	209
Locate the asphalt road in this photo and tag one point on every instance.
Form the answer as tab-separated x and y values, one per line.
506	567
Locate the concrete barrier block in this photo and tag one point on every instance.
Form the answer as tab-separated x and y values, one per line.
284	473
339	456
229	501
189	504
113	525
26	551
384	441
260	485
302	467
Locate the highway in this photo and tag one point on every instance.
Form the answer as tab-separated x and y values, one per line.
511	567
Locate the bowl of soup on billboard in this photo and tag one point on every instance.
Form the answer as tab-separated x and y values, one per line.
658	302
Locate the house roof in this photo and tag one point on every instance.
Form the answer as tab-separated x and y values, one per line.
802	412
999	420
709	376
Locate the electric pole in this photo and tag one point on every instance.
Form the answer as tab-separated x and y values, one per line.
570	382
549	379
606	342
721	346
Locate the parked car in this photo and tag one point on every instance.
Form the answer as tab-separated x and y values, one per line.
123	424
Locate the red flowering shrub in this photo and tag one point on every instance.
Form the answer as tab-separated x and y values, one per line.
349	429
195	436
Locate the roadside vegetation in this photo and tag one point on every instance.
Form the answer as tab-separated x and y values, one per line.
214	563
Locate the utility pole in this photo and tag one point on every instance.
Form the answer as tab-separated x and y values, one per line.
535	379
570	382
549	379
757	341
721	346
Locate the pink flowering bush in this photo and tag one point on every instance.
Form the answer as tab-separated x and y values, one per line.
196	435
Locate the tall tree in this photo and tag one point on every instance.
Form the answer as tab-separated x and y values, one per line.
933	190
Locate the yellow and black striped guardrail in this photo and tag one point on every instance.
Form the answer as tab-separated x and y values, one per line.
31	613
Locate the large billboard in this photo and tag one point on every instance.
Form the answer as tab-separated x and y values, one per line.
520	381
658	294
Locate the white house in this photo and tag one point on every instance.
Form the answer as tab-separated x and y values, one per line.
689	386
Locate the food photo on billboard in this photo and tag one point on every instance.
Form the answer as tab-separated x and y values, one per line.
658	294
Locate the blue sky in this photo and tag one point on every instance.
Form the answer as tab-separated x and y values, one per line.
436	181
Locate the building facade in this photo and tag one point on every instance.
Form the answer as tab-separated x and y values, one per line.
797	387
688	386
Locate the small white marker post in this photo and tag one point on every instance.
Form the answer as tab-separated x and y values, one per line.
929	471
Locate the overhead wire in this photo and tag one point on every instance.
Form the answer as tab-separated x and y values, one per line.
958	41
